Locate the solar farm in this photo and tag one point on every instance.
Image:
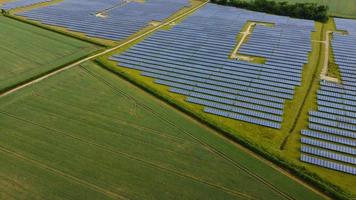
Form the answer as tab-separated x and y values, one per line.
335	120
121	19
19	4
200	68
174	99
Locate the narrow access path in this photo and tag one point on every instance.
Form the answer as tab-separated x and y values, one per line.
244	35
324	72
102	13
98	54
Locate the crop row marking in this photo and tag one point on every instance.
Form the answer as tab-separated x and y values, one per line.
131	157
211	148
63	174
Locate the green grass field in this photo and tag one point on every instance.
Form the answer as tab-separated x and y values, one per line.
87	134
28	51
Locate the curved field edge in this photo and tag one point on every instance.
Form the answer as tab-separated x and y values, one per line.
66	97
178	102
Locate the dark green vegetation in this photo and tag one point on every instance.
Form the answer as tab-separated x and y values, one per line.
311	11
27	51
342	8
87	134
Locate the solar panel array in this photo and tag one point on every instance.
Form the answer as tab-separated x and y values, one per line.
330	141
121	19
21	3
192	58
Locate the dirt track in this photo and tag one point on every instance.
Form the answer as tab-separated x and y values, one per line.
324	72
243	38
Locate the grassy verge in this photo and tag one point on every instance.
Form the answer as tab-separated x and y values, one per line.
344	181
333	68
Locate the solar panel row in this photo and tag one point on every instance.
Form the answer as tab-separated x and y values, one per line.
328	137
328	154
21	3
328	145
116	20
335	120
328	164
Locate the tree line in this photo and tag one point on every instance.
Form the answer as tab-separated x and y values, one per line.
310	11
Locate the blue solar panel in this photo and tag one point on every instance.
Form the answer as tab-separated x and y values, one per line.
328	145
329	137
328	164
21	3
328	154
192	59
335	120
120	18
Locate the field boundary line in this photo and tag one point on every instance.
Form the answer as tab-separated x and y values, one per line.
28	80
24	85
63	174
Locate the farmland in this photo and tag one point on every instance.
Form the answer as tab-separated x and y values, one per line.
29	51
71	121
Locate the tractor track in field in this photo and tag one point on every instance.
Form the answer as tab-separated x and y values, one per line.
21	187
63	174
107	51
120	133
208	146
126	123
124	154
